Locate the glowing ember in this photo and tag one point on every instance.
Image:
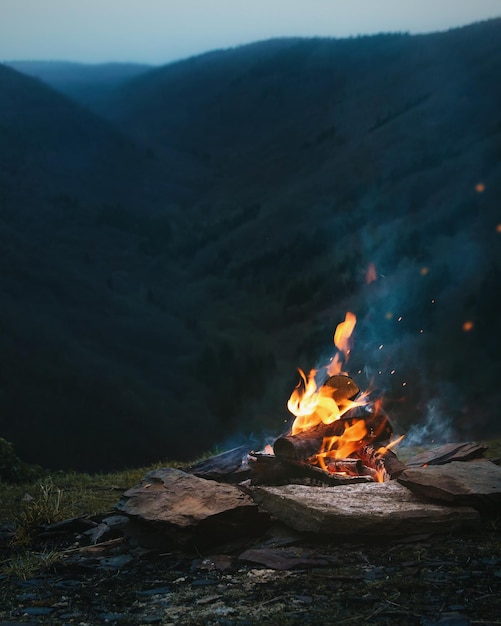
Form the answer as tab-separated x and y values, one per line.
480	187
467	326
341	447
370	275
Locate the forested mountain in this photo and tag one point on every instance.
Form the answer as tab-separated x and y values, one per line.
293	166
84	213
86	83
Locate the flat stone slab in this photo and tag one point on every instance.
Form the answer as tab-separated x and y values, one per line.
372	509
173	497
474	483
447	453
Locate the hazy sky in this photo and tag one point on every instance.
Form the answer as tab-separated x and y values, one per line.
159	31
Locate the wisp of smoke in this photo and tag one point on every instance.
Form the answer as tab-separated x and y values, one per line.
436	428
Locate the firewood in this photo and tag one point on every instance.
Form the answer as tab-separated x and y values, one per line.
382	461
392	464
353	467
343	388
267	469
309	442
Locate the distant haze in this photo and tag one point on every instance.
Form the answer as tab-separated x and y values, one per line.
160	31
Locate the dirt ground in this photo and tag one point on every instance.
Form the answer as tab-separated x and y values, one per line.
443	579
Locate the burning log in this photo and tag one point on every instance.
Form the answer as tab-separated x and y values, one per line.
354	467
267	469
383	464
343	388
377	428
392	464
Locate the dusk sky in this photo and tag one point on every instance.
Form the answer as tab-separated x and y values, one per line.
160	31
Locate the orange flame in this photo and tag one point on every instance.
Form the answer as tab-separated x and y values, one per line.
311	404
341	447
343	342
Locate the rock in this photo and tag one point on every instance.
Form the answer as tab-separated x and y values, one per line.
373	509
228	467
448	452
476	484
174	497
178	501
276	558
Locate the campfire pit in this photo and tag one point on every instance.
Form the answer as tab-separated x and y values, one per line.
338	436
340	439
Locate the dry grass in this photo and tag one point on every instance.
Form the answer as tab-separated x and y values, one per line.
62	495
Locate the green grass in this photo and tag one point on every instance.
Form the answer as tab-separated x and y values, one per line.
61	495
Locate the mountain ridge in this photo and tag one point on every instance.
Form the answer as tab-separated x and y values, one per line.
171	321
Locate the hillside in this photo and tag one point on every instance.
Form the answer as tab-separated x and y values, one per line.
84	212
328	155
85	83
309	161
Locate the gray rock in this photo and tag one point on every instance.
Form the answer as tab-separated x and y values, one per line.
369	509
176	498
476	483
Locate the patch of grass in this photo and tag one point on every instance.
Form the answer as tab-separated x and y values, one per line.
63	495
27	564
46	507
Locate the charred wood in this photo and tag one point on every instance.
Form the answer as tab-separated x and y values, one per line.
392	464
343	388
309	442
353	467
384	462
268	469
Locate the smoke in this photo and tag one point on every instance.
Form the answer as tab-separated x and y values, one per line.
436	428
